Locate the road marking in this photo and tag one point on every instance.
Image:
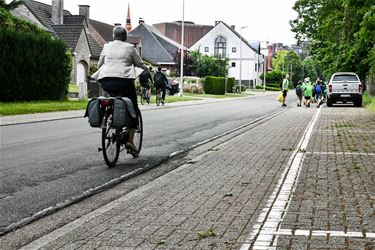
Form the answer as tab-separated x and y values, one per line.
321	233
345	130
341	153
277	204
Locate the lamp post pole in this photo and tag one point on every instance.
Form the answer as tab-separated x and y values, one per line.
264	72
241	56
182	54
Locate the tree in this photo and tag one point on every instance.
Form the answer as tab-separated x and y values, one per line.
309	68
204	65
187	63
278	62
293	66
12	5
341	33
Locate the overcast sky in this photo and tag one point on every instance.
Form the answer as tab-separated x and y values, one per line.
266	20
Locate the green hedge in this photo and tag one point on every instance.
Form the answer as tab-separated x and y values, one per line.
216	85
37	67
230	84
34	65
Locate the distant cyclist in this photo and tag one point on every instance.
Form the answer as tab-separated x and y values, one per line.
145	79
160	82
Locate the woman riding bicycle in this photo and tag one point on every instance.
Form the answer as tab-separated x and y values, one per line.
117	73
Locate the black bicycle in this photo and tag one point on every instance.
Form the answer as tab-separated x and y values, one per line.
159	97
144	95
114	139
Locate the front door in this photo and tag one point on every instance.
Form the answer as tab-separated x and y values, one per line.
81	73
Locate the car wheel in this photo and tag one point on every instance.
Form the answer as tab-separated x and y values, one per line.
358	103
329	103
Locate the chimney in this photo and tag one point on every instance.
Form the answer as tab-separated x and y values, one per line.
84	10
233	27
58	11
140	21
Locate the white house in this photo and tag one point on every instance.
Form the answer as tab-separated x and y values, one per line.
225	41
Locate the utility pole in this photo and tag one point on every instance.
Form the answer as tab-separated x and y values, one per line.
182	54
244	27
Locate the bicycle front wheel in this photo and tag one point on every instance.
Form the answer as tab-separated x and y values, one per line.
138	136
110	146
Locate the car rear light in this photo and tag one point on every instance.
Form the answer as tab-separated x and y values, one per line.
330	88
105	102
360	88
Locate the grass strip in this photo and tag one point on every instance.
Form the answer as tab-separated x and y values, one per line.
368	102
17	108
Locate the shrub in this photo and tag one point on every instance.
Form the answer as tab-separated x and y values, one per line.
214	85
230	84
37	67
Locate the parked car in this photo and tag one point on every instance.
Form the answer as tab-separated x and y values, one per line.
344	87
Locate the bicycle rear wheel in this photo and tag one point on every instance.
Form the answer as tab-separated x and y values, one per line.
138	136
158	99
142	100
110	145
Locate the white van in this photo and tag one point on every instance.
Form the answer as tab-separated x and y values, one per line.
344	87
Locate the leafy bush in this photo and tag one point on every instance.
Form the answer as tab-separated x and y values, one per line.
274	76
214	85
230	84
37	67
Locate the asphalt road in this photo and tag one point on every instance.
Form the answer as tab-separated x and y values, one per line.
47	163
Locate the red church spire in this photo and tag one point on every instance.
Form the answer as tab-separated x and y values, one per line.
128	25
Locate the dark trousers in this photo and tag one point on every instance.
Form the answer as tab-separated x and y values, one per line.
163	90
123	87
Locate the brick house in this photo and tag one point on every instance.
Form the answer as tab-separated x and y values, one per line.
192	32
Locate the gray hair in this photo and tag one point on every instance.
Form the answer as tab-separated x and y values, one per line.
120	33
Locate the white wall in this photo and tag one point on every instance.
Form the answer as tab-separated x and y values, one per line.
249	56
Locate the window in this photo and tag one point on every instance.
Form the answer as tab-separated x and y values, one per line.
220	46
233	64
234	49
206	49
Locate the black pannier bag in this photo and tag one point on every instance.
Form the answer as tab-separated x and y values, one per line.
123	113
94	113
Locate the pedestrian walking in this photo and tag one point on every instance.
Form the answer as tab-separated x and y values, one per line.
285	88
307	89
318	92
299	93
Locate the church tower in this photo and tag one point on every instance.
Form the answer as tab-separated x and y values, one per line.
128	25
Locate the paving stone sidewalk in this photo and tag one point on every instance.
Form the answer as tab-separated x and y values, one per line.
214	201
333	205
209	203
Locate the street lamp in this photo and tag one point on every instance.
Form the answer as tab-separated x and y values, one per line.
182	50
244	27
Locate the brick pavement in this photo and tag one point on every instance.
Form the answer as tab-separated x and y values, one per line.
333	204
214	201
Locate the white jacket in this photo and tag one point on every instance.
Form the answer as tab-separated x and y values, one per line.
118	59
